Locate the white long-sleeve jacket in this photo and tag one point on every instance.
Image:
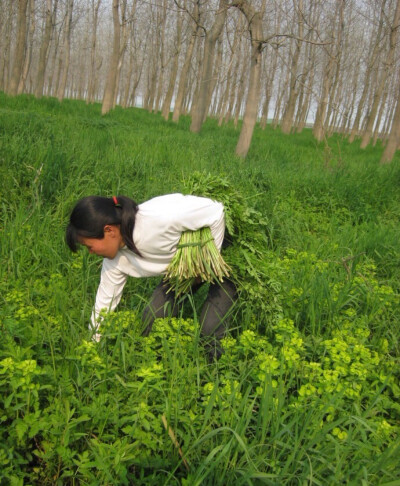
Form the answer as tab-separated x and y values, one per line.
158	226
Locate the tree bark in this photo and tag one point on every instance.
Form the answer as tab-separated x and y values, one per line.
388	67
212	36
109	92
186	64
394	137
67	50
230	78
6	49
379	117
328	77
376	49
45	46
174	70
29	48
287	120
19	55
93	44
254	20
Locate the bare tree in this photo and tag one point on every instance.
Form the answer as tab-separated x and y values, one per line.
330	73
287	120
387	69
254	19
45	45
211	38
174	68
94	16
19	55
195	17
373	53
111	85
66	50
227	99
29	47
394	137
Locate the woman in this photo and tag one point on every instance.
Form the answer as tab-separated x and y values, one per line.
140	241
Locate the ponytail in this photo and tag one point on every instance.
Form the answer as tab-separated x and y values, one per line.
128	209
92	213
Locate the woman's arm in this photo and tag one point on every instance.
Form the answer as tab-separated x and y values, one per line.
109	292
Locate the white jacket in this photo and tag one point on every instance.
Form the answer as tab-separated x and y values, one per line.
158	226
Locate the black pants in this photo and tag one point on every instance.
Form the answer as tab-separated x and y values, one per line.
214	319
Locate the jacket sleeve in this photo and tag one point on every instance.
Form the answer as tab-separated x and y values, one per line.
109	292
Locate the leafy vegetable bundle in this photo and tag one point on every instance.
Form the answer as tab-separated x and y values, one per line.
196	257
249	261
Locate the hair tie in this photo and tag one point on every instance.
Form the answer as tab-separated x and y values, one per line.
116	203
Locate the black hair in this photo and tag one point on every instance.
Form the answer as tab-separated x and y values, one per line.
92	213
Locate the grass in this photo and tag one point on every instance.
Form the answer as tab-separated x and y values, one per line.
308	389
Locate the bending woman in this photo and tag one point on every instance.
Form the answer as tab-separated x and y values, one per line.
140	241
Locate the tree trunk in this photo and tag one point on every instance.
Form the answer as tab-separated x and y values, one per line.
212	36
213	87
19	54
388	67
45	46
93	44
367	78
109	92
29	49
6	49
379	118
254	20
287	120
233	81
394	137
270	73
67	50
174	70
328	76
185	68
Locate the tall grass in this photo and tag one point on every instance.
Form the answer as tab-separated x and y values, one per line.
263	414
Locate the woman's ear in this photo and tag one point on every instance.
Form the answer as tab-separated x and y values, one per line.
112	230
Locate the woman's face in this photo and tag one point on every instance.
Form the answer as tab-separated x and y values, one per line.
106	247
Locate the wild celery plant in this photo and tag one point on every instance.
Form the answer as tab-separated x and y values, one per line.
196	257
248	232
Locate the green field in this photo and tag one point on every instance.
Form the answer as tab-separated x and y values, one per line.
307	392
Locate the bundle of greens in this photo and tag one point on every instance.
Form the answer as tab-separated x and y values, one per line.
249	256
197	257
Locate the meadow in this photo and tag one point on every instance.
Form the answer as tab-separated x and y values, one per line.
307	391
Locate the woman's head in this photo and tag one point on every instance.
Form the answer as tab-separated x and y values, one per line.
93	216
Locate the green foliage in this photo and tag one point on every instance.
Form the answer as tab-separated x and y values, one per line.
307	390
197	257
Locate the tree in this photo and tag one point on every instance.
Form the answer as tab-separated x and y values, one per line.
387	69
95	5
195	17
254	20
174	69
45	46
111	84
211	38
29	48
394	137
287	120
329	75
66	50
19	55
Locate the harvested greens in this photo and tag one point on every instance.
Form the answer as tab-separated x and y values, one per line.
197	257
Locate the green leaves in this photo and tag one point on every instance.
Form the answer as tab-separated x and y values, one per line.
197	257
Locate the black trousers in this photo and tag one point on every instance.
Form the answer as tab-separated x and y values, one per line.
215	317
